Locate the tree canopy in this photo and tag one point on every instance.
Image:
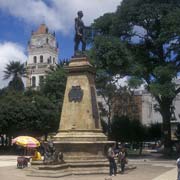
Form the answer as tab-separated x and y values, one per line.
141	39
126	130
27	114
31	112
54	85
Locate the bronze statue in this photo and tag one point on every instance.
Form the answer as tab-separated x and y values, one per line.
51	156
79	33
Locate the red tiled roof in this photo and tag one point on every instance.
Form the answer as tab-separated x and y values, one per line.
42	29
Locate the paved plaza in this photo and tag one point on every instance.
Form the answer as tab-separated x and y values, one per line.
146	170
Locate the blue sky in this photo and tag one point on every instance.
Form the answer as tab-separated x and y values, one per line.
19	17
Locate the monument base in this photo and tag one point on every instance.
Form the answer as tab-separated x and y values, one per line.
77	168
78	151
81	145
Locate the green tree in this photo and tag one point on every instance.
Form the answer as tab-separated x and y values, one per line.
54	85
121	129
26	114
47	116
125	129
15	71
141	39
106	89
155	132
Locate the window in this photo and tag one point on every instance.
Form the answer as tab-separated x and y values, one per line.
41	59
41	78
49	60
53	60
35	59
33	81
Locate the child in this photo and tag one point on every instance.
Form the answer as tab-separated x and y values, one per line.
122	159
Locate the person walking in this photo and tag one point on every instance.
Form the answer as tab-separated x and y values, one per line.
112	163
178	168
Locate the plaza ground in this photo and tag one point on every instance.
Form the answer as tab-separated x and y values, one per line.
147	169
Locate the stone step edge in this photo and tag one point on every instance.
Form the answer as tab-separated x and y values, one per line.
68	173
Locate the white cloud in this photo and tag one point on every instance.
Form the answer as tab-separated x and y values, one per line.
60	14
10	51
122	82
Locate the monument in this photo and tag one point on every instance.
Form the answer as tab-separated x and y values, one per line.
80	137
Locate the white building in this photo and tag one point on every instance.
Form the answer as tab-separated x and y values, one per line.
149	115
42	55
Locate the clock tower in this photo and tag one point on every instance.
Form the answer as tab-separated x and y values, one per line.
42	56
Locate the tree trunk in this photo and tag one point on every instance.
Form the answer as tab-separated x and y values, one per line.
166	116
165	110
140	148
167	136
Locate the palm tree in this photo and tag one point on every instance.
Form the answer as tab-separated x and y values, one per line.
16	71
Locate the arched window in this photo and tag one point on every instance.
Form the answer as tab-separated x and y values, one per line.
33	81
49	60
53	60
35	59
41	59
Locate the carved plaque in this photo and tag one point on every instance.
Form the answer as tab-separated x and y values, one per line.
75	94
94	107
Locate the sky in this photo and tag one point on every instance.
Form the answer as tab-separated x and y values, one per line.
18	18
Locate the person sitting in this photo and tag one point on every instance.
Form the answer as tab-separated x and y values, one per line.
37	156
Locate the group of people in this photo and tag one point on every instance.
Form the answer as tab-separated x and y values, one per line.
115	158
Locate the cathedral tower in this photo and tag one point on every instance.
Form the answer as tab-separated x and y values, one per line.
42	56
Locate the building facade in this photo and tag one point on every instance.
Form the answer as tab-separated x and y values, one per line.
123	104
151	116
42	56
128	105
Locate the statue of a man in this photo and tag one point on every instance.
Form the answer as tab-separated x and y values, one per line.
79	33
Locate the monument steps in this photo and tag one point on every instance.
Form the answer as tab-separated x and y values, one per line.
67	172
72	165
55	171
66	169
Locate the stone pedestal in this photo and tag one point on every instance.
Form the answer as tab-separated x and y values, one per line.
80	136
